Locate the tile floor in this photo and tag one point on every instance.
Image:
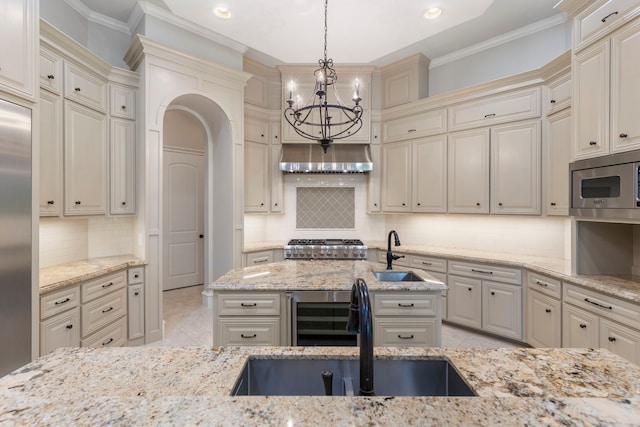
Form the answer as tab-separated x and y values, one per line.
189	323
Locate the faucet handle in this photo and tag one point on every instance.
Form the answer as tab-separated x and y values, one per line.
327	379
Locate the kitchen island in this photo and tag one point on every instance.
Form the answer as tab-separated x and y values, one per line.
192	386
257	305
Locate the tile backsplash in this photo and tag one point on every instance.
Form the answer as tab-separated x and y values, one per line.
325	207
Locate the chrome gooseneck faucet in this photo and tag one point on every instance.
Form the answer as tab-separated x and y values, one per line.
390	256
360	321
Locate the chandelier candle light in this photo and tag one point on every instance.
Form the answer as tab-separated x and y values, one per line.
319	120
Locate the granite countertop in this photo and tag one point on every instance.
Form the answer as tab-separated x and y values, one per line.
60	276
318	275
192	386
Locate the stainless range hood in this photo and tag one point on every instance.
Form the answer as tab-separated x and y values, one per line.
339	158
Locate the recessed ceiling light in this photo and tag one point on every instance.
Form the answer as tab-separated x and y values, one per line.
222	12
433	13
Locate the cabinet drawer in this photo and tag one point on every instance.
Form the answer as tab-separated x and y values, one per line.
601	18
254	331
103	285
428	263
135	275
417	126
98	313
603	305
62	330
518	105
618	339
248	304
85	87
59	301
486	271
404	332
544	284
257	258
122	102
50	71
559	94
114	335
409	304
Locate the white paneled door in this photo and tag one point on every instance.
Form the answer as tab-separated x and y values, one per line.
183	219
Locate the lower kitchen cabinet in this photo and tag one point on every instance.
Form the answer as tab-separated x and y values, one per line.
249	331
404	332
502	309
62	330
263	257
464	301
579	328
619	339
544	319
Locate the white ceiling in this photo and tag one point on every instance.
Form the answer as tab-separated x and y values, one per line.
359	31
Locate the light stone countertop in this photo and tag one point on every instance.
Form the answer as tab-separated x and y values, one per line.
63	275
192	386
317	275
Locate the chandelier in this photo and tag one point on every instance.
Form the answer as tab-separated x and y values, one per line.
321	119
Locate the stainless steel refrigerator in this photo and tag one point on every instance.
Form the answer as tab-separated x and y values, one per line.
15	236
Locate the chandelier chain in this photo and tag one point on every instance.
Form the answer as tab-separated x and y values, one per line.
326	2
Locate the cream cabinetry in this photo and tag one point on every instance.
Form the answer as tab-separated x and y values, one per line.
85	87
277	182
600	18
58	331
247	319
263	257
50	154
558	94
135	305
122	168
396	177
415	126
19	32
374	201
50	71
468	173
486	297
557	155
544	311
122	102
256	176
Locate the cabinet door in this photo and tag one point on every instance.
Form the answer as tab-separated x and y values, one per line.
502	309
122	167
515	168
256	176
429	169
579	328
600	18
122	102
50	154
464	301
18	30
62	330
557	155
277	180
591	102
85	160
619	339
396	177
422	124
50	71
544	317
625	89
135	314
373	183
559	94
469	171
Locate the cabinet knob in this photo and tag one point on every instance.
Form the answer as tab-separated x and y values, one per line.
123	203
78	202
201	236
582	326
553	203
50	77
623	135
477	204
418	204
50	202
553	101
593	143
404	204
493	293
469	289
548	310
375	204
275	204
609	16
261	204
136	293
612	339
124	107
77	89
500	204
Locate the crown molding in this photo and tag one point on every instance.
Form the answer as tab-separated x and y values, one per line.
98	18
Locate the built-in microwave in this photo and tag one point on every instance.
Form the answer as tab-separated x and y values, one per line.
606	187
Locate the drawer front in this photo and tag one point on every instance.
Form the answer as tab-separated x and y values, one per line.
420	125
103	285
85	87
623	341
114	335
59	301
544	284
135	275
603	305
409	304
60	331
50	71
428	263
486	271
248	304
257	258
253	331
404	332
99	313
519	105
122	102
601	18
559	94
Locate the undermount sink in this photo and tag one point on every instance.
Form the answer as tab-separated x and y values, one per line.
397	276
394	377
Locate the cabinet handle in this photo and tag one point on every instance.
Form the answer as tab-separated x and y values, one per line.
598	304
108	285
582	326
136	293
405	305
553	203
69	326
201	236
242	304
411	130
486	116
500	204
135	276
593	143
405	337
78	202
77	89
50	76
612	339
609	16
481	271
50	202
108	310
548	310
623	135
553	101
109	341
63	301
426	263
539	283
248	336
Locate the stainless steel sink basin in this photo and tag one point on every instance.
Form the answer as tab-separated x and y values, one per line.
303	377
397	276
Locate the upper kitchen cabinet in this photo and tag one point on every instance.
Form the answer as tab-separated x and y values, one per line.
416	125
490	110
600	18
558	94
19	33
122	102
122	166
405	81
557	155
50	154
607	86
468	178
50	71
85	87
396	177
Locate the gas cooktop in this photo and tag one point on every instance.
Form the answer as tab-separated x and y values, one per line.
325	249
331	242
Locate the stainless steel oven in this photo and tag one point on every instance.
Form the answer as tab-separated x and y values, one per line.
319	318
